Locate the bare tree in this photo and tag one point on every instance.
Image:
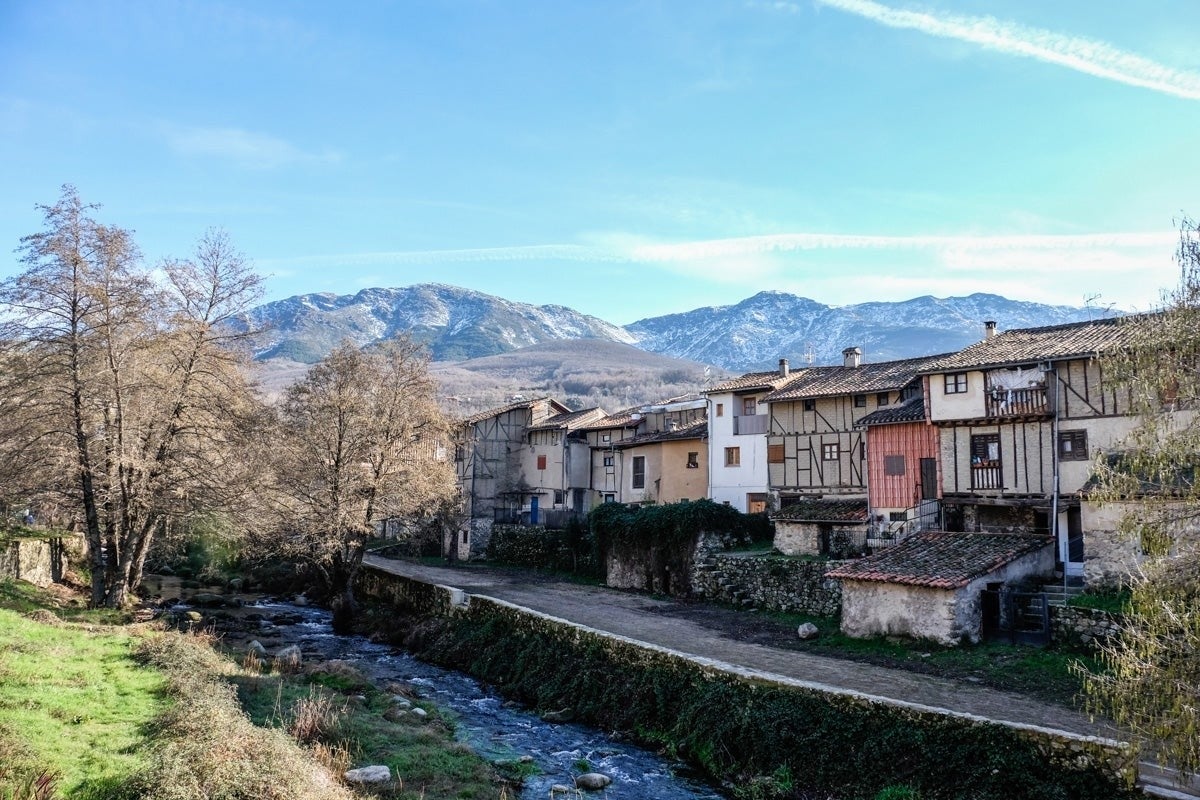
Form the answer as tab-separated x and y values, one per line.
1151	683
128	397
362	441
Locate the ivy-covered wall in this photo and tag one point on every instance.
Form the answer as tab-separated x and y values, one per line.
745	728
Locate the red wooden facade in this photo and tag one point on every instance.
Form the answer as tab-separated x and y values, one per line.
894	454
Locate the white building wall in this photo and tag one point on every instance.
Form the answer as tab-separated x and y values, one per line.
732	484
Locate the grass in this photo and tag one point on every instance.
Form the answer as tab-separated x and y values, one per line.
1115	602
1043	673
343	713
74	702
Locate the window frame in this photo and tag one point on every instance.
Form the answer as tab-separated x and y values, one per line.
860	401
720	409
831	451
637	472
1078	441
883	398
541	462
955	383
894	465
776	453
749	406
693	459
733	456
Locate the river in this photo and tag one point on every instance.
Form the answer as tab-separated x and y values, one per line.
497	730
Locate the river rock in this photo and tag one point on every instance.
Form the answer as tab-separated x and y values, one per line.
236	584
808	631
257	648
194	616
300	600
207	600
562	788
564	715
592	781
366	776
289	657
395	715
401	702
420	713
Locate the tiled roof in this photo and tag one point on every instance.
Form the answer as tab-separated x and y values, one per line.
828	381
912	411
570	420
1024	345
753	380
618	419
941	560
697	430
823	511
493	412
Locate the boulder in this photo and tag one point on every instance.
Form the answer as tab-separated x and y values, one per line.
368	776
808	631
592	781
257	648
401	702
289	657
420	713
395	714
563	715
207	600
300	600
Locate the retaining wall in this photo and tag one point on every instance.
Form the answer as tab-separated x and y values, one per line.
772	583
37	561
737	724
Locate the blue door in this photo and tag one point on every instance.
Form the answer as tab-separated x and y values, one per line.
533	511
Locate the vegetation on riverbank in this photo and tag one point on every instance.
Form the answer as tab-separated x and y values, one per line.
95	707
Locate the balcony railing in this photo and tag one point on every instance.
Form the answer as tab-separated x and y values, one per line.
746	425
1026	402
986	475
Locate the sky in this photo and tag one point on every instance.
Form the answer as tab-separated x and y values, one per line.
627	159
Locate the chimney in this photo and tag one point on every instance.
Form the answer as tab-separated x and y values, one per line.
852	357
989	329
784	370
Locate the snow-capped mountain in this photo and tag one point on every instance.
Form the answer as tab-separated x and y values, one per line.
757	332
454	323
459	324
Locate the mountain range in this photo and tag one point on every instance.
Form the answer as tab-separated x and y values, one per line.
459	324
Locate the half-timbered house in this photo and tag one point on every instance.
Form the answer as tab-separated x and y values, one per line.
1021	415
903	472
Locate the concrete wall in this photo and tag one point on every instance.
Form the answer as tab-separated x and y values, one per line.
732	484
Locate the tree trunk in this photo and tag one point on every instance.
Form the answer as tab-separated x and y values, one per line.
341	592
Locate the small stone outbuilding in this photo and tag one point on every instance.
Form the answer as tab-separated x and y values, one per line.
821	527
929	585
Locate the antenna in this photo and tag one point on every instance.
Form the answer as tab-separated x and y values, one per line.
809	353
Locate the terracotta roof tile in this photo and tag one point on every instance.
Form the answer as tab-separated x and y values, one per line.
941	560
698	430
570	420
829	381
754	380
823	511
912	411
492	412
1054	342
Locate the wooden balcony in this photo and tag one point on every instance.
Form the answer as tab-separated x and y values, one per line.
987	475
1029	402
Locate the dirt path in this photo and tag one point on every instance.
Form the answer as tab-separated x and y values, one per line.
719	635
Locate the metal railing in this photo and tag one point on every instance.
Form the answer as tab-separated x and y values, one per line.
747	425
925	516
1019	617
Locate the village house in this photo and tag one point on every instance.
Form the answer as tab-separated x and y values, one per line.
524	464
817	453
1022	415
650	454
737	438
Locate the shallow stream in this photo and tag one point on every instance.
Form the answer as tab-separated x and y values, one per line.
497	730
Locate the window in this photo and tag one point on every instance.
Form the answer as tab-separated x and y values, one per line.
881	399
956	383
749	406
897	516
639	472
893	465
460	452
830	452
810	405
774	454
558	497
693	461
604	437
610	498
1072	445
733	456
985	450
860	401
720	409
608	461
541	461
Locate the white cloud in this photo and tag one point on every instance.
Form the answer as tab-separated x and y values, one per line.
1089	56
247	148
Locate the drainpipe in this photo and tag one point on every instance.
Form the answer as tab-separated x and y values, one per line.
1063	547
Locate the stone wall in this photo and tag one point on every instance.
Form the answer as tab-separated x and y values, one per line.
769	582
1082	627
490	637
37	561
805	538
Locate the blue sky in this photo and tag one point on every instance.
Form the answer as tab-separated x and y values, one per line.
628	159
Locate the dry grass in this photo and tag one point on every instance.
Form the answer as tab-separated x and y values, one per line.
315	717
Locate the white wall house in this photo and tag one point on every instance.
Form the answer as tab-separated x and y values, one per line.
737	438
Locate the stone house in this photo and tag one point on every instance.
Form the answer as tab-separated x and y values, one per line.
930	586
